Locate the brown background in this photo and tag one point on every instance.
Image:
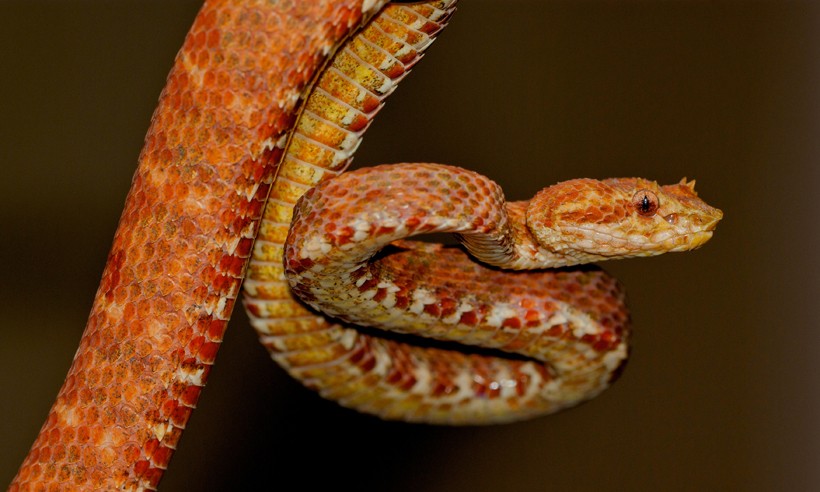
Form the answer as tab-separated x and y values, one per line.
722	389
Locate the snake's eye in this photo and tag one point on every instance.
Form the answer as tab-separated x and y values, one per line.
645	203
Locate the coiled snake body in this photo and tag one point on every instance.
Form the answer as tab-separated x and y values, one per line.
573	323
221	133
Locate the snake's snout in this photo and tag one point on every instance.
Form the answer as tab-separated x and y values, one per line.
701	223
706	219
713	220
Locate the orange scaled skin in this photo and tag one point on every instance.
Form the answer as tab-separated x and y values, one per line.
181	248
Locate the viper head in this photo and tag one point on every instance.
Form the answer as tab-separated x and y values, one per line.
620	217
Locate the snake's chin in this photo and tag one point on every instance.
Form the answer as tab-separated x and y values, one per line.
690	242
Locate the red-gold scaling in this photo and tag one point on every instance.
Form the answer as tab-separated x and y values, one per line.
183	240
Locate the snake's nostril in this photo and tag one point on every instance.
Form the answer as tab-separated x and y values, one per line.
710	222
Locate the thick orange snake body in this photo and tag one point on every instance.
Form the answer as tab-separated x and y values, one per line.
232	146
183	242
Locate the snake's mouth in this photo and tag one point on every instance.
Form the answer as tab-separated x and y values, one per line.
697	231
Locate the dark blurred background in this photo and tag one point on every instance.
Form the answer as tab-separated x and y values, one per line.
722	392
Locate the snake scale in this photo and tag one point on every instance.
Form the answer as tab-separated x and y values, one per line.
234	143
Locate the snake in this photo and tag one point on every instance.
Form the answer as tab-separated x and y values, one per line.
263	108
347	256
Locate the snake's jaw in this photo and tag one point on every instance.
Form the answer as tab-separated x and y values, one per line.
591	220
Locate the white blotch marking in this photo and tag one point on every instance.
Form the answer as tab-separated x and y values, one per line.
370	5
499	314
421	297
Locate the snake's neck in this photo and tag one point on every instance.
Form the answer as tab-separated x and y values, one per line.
512	245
